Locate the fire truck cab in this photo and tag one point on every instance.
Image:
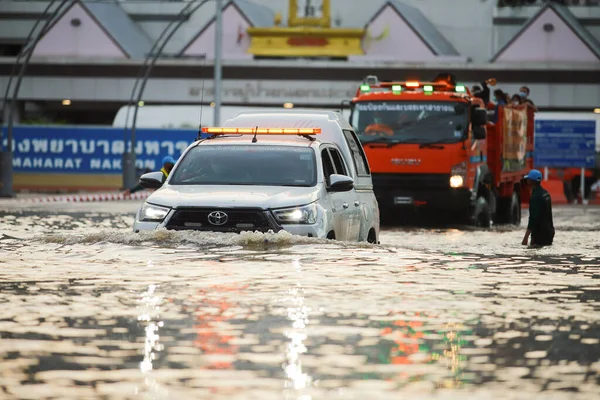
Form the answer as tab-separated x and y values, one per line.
427	145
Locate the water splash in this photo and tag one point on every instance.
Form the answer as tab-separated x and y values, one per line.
167	238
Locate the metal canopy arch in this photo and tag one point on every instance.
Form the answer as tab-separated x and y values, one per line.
129	158
6	169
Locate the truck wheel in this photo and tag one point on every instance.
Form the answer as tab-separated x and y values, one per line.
481	215
372	238
509	210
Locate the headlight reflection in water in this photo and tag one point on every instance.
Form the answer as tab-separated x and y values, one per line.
149	315
297	313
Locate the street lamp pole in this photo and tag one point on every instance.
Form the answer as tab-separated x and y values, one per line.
151	58
6	168
218	56
129	157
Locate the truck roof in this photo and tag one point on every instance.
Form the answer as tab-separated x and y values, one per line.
331	123
408	96
262	140
289	119
440	90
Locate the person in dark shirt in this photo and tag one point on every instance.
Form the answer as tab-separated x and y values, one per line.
168	164
540	226
483	91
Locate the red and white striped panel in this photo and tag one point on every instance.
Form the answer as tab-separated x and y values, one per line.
89	197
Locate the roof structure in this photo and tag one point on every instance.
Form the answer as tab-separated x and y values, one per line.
122	28
110	20
255	14
422	27
573	27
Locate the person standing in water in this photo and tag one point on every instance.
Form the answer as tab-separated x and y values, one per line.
541	225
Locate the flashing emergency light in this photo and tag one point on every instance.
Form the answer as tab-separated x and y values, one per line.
262	131
372	80
460	88
412	84
396	88
428	88
365	88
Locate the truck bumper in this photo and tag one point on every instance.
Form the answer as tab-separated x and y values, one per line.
431	192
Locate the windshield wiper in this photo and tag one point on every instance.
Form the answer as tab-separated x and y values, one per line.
381	139
390	142
436	143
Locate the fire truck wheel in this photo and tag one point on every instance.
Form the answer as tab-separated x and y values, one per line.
509	210
515	210
481	215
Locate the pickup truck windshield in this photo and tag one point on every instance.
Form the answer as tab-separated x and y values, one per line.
410	122
247	165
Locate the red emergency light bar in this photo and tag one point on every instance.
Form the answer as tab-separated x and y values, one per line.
262	131
398	87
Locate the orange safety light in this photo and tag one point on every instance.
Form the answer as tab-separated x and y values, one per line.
412	84
263	131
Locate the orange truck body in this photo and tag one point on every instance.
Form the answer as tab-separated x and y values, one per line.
461	176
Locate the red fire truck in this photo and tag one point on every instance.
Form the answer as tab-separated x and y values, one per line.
431	147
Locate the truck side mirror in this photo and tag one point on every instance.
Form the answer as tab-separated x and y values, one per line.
151	180
479	117
340	183
351	107
344	104
478	132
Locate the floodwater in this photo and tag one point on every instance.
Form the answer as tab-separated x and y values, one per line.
91	310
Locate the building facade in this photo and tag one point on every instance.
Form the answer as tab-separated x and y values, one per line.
84	67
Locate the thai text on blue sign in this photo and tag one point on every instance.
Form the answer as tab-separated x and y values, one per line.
565	143
92	150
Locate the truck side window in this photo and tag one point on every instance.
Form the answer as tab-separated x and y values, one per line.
338	162
328	168
358	154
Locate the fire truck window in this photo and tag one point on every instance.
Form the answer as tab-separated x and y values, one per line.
338	162
407	121
358	154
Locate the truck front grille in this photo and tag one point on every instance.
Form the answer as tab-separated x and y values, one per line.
222	220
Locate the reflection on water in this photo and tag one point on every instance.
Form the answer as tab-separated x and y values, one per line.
450	356
297	313
150	317
90	311
211	309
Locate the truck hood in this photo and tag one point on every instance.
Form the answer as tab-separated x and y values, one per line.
264	197
409	158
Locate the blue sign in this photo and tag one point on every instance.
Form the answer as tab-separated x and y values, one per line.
92	150
564	143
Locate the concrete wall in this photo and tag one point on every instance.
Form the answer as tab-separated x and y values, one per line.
306	93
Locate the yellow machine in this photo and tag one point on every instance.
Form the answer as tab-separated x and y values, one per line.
306	36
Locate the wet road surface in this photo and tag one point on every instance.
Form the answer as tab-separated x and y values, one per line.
91	310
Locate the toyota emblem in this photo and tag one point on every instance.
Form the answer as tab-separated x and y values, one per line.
217	218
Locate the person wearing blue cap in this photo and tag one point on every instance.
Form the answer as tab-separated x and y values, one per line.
168	163
540	226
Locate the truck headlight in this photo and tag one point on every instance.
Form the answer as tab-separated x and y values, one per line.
150	212
456	181
297	215
458	175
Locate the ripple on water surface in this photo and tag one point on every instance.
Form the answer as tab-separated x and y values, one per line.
90	311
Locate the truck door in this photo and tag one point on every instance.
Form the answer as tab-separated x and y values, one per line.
347	213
